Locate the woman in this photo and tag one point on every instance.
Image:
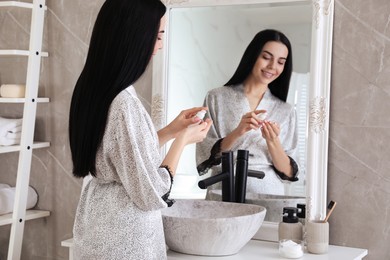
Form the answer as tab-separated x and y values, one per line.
113	139
260	84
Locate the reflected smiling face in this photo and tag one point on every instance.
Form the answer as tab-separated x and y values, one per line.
270	63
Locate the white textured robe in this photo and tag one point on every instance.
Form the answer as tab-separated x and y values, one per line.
118	216
226	107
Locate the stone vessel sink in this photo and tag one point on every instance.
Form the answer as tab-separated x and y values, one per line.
273	203
210	228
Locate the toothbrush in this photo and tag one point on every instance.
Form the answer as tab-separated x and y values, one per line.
331	206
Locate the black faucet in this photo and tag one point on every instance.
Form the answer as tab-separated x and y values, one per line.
233	191
241	175
226	176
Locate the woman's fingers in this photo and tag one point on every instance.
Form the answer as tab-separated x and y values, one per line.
270	130
199	132
191	112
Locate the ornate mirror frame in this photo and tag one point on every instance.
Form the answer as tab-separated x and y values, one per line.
319	93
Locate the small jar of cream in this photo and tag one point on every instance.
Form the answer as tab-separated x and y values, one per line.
291	249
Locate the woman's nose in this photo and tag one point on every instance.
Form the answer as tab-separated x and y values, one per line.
271	64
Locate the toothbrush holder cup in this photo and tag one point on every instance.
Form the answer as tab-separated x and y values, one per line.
317	237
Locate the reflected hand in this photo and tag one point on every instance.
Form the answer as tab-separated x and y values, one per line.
249	121
270	130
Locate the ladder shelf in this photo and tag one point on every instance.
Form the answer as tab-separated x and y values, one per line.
16	148
30	215
34	54
22	100
20	53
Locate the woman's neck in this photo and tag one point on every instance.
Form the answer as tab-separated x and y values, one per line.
254	92
254	88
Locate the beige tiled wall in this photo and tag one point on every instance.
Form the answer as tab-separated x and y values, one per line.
359	145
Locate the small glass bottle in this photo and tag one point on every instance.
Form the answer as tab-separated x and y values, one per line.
290	228
302	218
301	213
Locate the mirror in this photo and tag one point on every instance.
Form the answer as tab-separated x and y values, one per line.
310	54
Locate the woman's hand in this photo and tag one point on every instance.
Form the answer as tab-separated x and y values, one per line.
196	133
270	131
188	135
182	121
249	121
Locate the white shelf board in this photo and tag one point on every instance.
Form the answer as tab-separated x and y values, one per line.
22	100
20	53
16	4
30	214
67	243
15	148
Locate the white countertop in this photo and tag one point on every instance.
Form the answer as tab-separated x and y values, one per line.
256	249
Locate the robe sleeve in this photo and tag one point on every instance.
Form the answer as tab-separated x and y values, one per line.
136	157
290	145
208	152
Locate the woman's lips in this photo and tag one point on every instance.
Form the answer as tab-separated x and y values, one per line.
268	74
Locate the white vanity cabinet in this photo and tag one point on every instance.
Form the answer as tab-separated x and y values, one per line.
34	54
264	250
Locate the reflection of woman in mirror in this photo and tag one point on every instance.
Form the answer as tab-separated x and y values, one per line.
260	84
112	137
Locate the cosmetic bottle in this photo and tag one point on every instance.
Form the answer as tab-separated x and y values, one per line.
301	213
262	116
290	228
200	115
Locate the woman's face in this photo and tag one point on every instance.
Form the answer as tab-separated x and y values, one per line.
160	36
270	63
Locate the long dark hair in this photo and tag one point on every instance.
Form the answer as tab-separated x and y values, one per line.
278	87
121	47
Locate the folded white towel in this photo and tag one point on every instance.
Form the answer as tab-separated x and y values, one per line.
4	141
7	199
3	185
14	130
13	122
11	135
10	131
9	125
